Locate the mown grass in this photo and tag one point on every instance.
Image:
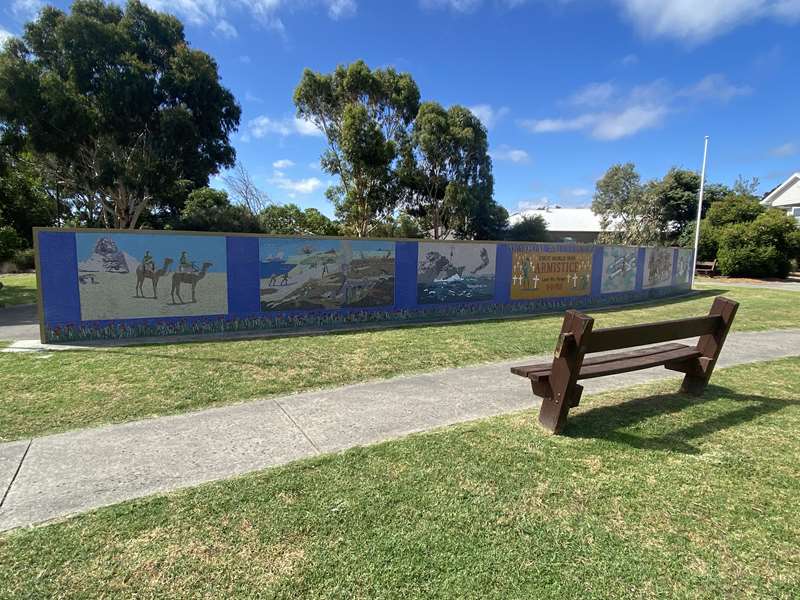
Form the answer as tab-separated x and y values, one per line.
17	289
73	389
650	494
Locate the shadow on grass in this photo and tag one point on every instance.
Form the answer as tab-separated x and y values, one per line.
614	423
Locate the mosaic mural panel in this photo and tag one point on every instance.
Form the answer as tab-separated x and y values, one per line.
314	273
657	267
683	268
457	272
131	275
619	269
536	274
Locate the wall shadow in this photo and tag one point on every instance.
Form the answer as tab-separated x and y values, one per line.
610	422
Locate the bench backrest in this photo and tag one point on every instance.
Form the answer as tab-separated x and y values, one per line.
614	338
577	329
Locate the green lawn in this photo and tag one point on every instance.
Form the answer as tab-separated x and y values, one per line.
650	494
18	289
74	389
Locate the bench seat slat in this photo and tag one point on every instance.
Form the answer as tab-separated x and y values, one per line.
620	362
526	370
637	364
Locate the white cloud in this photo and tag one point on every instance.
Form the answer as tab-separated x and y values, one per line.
462	6
593	94
534	204
266	12
715	87
696	22
26	9
557	125
514	155
294	186
488	115
338	9
607	126
787	149
306	127
629	60
645	106
613	126
225	30
250	97
283	163
245	59
263	126
5	35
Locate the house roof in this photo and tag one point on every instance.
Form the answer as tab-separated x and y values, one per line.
561	219
779	195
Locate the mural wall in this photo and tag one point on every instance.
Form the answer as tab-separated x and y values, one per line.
99	284
455	272
125	276
301	274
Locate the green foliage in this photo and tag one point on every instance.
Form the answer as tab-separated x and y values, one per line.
365	117
708	243
25	259
210	210
446	173
10	242
290	219
629	211
23	203
135	116
404	226
529	229
762	247
733	209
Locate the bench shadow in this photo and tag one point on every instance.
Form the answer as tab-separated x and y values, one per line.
610	422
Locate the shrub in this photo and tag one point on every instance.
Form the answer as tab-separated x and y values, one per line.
529	229
10	242
761	248
734	209
709	240
25	259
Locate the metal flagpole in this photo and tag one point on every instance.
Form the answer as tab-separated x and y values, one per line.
699	209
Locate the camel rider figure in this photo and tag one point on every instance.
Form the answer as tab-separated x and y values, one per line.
186	266
147	262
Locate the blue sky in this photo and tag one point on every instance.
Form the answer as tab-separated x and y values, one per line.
565	87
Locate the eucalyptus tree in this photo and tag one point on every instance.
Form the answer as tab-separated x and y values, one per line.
365	116
116	101
446	173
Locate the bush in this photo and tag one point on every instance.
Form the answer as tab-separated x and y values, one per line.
709	240
10	242
529	229
761	248
24	260
734	209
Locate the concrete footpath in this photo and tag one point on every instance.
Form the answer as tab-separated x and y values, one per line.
54	476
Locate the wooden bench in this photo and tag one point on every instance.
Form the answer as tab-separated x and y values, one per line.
556	382
705	267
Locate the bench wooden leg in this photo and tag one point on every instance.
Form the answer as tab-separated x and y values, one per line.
699	371
566	392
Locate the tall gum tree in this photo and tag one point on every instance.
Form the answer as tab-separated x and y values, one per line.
365	116
446	172
116	102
